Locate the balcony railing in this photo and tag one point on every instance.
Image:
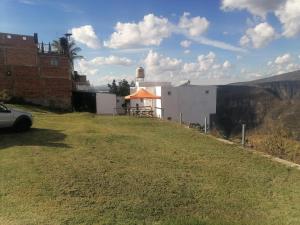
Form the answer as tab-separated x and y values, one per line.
47	48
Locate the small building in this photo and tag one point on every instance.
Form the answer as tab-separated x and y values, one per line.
35	72
195	102
106	103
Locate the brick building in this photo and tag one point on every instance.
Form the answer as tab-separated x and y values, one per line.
31	73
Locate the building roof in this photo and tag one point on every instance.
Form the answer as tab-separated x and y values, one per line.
142	93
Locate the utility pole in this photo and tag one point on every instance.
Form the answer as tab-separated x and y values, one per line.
243	134
180	118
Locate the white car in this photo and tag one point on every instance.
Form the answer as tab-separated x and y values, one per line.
18	120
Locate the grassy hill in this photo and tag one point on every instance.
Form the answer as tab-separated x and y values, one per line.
80	168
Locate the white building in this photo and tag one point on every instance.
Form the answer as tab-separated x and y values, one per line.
195	102
106	103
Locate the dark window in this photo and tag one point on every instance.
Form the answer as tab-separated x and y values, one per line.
169	118
169	92
3	108
54	62
207	92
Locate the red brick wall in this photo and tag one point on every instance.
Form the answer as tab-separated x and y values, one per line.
59	71
33	77
21	56
17	41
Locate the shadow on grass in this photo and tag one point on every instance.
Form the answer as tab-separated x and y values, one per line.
33	137
36	108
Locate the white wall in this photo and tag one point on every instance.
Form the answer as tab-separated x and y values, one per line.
194	101
120	100
106	103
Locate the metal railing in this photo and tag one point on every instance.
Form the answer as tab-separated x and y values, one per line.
141	111
48	48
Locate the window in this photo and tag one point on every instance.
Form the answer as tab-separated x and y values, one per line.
8	36
169	118
3	108
207	92
24	38
169	92
54	62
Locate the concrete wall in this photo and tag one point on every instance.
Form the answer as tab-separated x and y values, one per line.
106	103
119	105
193	101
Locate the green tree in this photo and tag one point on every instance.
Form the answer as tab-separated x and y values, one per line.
113	87
63	46
132	84
122	89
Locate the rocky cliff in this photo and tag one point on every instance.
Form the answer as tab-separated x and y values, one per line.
275	99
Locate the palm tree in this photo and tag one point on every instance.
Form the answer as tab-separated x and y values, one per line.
69	48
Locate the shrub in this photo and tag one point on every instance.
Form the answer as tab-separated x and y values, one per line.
277	142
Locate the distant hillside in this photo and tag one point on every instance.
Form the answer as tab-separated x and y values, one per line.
258	103
291	76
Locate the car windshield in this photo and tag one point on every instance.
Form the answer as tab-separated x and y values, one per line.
3	108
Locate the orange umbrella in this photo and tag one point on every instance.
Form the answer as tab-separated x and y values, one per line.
142	93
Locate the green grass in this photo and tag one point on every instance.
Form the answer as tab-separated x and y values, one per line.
79	168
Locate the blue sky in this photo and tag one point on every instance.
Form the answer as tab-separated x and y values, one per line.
207	42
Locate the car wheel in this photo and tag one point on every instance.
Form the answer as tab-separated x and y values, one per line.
22	125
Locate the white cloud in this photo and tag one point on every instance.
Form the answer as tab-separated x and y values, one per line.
187	51
195	26
156	63
150	31
185	43
91	67
289	16
110	60
227	64
283	63
206	61
206	67
287	11
255	7
86	35
245	40
217	44
259	36
286	58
